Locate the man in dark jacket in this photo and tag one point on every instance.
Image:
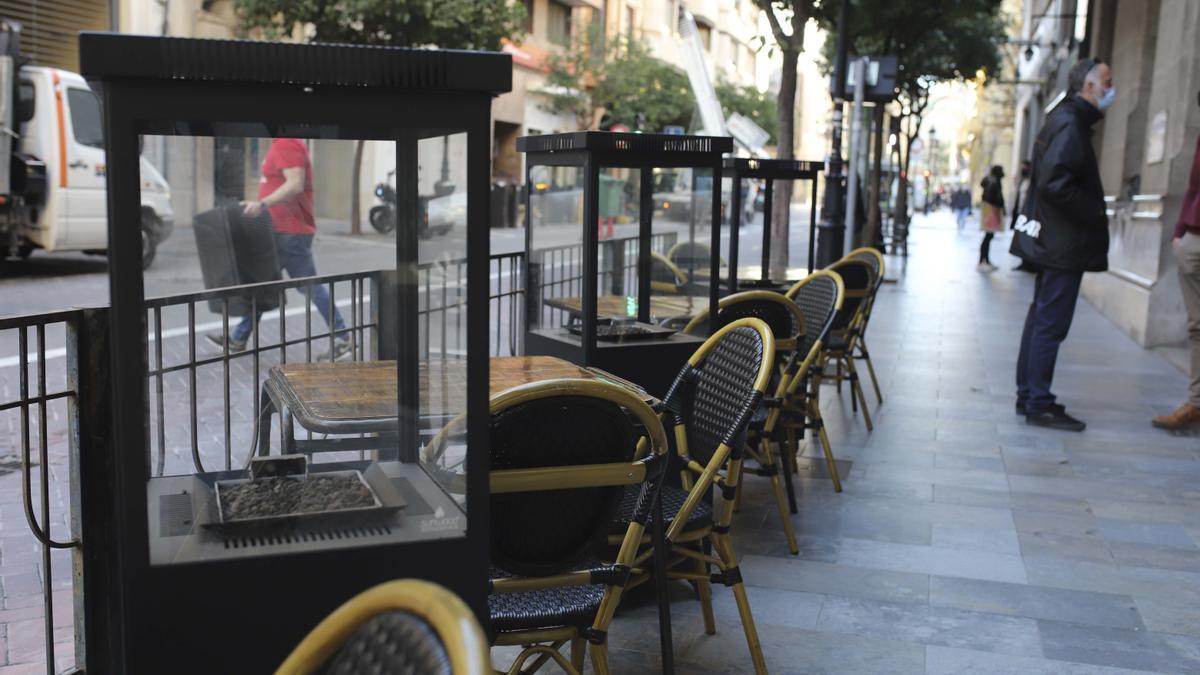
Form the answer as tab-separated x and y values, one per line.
1063	232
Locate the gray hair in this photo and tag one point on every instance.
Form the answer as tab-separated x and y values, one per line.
1079	74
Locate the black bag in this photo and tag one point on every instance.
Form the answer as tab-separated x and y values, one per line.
235	250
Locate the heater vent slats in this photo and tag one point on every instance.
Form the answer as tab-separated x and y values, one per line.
306	536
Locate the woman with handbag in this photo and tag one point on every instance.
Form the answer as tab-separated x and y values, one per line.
990	215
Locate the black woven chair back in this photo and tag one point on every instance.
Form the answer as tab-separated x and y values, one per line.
391	642
818	303
783	323
691	253
717	397
873	262
549	531
857	280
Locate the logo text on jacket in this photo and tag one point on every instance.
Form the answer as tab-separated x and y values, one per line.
1027	225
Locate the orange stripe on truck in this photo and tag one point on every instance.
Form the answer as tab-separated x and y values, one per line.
62	132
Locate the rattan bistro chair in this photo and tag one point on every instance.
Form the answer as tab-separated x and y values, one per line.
858	279
564	453
405	626
786	322
709	406
873	258
665	276
820	296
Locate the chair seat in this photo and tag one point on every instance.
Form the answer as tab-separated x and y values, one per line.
836	343
545	608
672	500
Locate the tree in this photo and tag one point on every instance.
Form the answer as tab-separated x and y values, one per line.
787	19
446	24
751	103
936	41
622	83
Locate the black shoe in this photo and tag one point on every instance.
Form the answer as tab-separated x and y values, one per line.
1053	406
1054	417
218	340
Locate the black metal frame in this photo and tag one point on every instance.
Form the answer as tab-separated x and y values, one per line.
247	614
652	364
769	170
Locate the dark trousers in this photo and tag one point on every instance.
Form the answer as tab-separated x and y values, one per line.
1046	326
296	258
985	247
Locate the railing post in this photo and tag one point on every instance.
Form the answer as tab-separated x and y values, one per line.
616	256
98	610
383	314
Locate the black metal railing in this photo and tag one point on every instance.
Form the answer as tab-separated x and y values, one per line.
43	412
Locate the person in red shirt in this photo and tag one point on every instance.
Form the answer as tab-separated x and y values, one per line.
285	192
1186	245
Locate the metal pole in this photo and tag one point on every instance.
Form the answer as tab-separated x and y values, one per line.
830	240
860	72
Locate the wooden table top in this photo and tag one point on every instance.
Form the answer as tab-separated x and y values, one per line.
661	306
363	394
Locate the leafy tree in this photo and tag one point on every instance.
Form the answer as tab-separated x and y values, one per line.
936	41
749	102
787	19
446	24
621	83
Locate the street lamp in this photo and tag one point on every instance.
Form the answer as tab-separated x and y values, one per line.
831	231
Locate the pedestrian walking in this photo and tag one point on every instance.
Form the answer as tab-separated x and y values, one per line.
1063	231
1186	244
960	201
285	194
990	215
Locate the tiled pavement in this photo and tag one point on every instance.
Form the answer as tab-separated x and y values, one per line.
966	541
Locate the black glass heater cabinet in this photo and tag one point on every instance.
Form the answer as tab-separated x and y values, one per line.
741	171
621	234
282	441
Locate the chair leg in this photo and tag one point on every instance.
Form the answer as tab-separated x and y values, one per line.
856	390
781	501
853	376
724	550
704	591
838	380
578	649
599	654
866	356
815	416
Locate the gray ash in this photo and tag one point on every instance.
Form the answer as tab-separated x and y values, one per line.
287	496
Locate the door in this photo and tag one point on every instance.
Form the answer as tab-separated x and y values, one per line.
86	216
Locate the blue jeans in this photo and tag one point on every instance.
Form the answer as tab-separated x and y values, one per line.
295	257
1046	326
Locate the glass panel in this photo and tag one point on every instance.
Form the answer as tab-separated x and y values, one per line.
555	283
288	396
681	236
618	230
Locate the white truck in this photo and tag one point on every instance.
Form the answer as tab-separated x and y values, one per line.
52	166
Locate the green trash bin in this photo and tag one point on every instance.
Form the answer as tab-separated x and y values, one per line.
612	196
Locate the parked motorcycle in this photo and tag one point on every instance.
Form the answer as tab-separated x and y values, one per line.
383	216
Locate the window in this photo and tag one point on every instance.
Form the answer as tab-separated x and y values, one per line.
85	118
528	24
705	37
558	19
630	23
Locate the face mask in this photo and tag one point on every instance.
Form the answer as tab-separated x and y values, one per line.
1107	99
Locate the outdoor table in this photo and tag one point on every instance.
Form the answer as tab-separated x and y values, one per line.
661	306
360	397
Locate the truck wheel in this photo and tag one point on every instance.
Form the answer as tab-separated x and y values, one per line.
149	243
382	219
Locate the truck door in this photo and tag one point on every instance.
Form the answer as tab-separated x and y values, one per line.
86	214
